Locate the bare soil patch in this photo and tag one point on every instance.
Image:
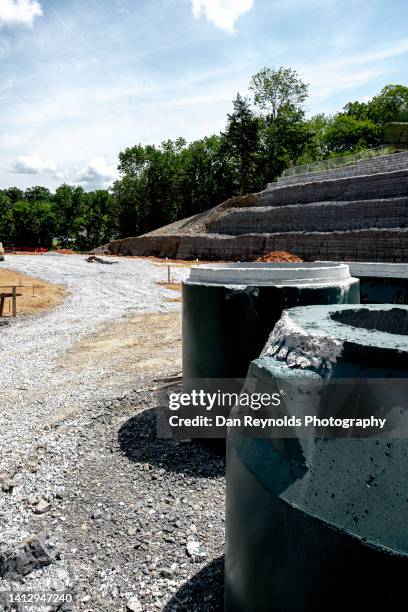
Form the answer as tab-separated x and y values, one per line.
37	295
173	286
142	344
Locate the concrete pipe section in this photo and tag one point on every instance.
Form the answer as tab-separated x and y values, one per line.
381	283
318	523
230	309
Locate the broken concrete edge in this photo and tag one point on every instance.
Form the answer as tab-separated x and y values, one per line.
250	457
296	340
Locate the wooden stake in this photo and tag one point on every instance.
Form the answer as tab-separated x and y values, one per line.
168	275
14	302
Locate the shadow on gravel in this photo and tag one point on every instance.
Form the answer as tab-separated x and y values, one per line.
204	592
138	441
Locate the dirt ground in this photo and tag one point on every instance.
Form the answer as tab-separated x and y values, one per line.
142	343
122	504
183	263
37	295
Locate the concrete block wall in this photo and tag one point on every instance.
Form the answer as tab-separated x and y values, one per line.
375	186
374	165
361	245
319	217
353	218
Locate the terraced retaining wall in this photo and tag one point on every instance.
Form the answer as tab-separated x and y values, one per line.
374	165
361	245
385	185
361	218
321	216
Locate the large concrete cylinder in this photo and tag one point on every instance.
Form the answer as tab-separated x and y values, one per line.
320	523
381	283
230	309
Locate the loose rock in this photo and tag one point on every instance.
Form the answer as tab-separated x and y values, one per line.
31	555
134	605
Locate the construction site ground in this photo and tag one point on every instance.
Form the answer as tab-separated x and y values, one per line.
37	295
128	521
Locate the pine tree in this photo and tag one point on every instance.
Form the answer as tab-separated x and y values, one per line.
242	141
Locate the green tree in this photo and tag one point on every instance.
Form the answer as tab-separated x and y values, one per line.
159	185
280	95
316	146
152	169
37	194
346	134
391	104
34	224
358	110
210	175
98	223
69	206
128	194
6	219
242	141
14	194
275	90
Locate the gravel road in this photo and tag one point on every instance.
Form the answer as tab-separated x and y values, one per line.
120	519
33	379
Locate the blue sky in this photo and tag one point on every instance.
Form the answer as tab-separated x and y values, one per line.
81	80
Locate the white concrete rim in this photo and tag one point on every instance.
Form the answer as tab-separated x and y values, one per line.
260	273
377	269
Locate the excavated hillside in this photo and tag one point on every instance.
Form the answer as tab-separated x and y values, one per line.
356	213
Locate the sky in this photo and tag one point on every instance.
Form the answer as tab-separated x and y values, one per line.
81	80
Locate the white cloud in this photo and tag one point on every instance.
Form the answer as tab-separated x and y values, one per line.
222	13
19	12
33	164
97	173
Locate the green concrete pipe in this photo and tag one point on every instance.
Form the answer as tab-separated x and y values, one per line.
230	309
317	523
381	283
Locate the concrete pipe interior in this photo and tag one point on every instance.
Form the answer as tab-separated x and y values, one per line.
373	335
393	321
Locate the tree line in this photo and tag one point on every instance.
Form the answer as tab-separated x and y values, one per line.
265	133
71	217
